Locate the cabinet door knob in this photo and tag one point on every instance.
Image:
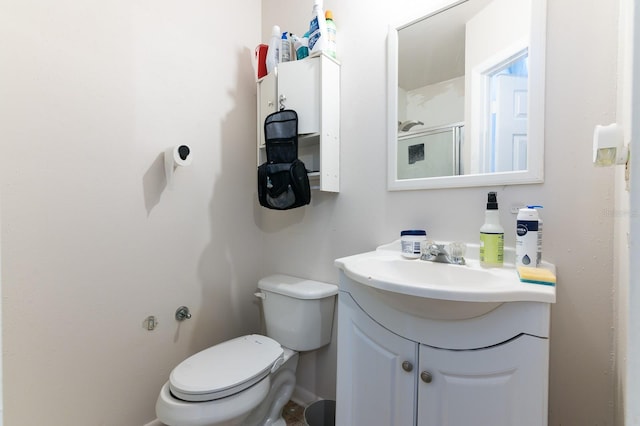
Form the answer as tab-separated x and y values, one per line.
407	366
426	377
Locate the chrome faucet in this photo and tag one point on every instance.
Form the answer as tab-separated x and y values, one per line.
437	253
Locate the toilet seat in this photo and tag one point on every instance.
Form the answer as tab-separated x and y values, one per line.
225	369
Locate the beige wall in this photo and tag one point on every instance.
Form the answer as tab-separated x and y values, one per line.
578	198
92	243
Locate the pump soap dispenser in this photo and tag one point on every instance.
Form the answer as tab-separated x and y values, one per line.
492	235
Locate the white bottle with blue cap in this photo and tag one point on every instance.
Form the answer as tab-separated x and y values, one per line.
539	257
317	28
273	51
528	237
285	48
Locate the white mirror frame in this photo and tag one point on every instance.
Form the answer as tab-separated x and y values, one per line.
535	147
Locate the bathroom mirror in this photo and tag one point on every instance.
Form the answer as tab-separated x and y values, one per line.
466	96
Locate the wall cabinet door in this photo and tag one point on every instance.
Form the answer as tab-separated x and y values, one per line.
311	87
299	89
504	385
373	385
267	104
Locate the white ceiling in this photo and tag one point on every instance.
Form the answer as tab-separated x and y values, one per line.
432	50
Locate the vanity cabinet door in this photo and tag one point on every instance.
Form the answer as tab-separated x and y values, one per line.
376	378
504	385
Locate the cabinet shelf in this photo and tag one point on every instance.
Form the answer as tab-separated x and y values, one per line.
308	139
304	140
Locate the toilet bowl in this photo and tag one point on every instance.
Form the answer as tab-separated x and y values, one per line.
249	379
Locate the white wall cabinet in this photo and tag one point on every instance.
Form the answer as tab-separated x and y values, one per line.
388	374
311	87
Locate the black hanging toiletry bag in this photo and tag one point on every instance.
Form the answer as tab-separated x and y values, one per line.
283	182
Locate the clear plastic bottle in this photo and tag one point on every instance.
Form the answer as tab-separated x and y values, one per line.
492	234
332	34
304	51
273	51
300	45
317	28
285	48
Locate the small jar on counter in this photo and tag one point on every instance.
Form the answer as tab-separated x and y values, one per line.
412	242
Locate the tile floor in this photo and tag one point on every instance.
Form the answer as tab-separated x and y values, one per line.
293	414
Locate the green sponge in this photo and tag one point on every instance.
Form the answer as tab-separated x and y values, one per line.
543	276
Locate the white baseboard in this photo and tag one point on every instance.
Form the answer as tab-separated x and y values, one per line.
302	396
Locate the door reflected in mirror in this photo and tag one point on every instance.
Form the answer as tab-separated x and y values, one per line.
467	87
502	141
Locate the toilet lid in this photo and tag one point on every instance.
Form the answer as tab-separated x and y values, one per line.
226	368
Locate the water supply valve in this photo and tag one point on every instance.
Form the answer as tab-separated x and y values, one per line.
182	313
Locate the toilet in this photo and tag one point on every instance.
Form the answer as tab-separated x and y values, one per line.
249	379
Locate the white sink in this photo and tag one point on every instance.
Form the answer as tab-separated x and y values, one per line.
440	290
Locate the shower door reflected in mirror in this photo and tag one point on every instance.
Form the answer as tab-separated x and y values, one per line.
431	152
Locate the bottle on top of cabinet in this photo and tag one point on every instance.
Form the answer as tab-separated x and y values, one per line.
273	51
317	28
332	34
285	48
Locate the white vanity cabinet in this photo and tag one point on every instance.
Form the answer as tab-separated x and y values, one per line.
401	369
311	87
499	386
373	388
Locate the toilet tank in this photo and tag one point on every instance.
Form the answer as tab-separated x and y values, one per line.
298	313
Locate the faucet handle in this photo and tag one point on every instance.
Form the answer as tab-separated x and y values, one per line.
431	248
426	250
456	252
